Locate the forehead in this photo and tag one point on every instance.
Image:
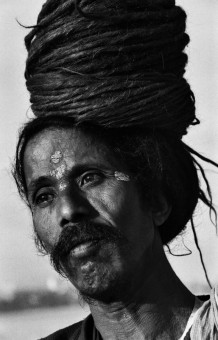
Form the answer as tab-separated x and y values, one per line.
56	141
52	146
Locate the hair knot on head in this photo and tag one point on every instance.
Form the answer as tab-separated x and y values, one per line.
115	63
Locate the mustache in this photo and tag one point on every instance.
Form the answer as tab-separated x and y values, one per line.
73	235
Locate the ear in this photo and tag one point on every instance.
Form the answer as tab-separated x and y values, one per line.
161	208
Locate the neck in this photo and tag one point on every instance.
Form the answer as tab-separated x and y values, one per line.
156	308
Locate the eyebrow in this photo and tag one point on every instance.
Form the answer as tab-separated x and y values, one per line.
39	182
73	173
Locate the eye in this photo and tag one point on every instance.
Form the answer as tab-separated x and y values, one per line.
90	178
43	198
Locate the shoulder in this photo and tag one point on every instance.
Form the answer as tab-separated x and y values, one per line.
70	332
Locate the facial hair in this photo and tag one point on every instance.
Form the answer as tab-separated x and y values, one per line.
105	236
76	234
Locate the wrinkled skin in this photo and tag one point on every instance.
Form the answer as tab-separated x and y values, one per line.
75	182
87	210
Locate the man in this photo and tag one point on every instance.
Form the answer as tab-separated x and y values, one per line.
103	168
102	230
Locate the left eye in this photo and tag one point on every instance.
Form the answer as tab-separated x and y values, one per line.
90	178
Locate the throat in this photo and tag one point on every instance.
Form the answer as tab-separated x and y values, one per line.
159	308
141	322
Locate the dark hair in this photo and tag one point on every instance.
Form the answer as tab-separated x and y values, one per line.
114	63
156	161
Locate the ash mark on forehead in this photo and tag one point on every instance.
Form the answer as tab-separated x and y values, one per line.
62	186
56	157
58	172
120	176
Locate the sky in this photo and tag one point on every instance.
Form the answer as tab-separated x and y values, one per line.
20	266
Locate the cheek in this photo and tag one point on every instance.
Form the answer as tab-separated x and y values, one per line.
122	208
119	204
110	202
45	226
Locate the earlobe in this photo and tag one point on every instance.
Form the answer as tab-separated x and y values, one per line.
161	209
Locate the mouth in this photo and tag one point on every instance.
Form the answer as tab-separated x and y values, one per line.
85	248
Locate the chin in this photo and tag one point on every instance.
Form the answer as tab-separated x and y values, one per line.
97	281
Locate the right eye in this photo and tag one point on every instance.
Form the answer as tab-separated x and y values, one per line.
44	199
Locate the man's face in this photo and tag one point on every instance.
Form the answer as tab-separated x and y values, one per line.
80	193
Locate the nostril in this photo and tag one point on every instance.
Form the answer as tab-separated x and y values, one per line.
76	219
64	223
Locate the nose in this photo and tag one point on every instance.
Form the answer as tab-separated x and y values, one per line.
73	208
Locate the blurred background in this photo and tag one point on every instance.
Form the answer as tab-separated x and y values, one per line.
26	279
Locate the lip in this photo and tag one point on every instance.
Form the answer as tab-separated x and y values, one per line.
85	248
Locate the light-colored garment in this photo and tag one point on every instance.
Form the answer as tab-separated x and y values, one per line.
197	306
203	322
